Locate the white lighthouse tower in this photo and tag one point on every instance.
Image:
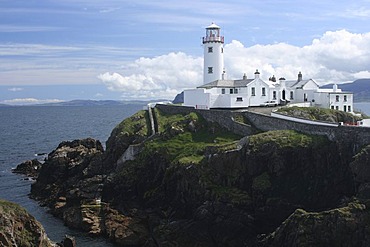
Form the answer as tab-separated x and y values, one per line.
213	44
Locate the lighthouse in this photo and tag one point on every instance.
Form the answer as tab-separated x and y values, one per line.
213	44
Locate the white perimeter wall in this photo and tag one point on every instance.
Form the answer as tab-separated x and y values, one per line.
197	98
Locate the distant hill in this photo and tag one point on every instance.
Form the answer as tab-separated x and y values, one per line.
98	103
179	98
95	103
84	103
360	89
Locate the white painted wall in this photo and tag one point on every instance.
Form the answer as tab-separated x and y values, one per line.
214	59
197	98
364	123
328	99
311	85
229	101
257	99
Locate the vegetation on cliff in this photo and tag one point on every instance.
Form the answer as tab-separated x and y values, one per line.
18	228
285	139
344	226
319	114
185	138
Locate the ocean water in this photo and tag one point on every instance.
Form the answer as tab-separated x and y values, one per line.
29	130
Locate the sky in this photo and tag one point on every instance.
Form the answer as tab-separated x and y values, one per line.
55	50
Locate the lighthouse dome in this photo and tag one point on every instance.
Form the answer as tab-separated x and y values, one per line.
214	26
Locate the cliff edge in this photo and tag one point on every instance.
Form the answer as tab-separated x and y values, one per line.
195	183
18	228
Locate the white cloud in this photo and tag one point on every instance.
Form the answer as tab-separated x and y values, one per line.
29	101
156	77
338	56
335	57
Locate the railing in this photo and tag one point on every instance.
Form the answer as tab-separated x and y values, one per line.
213	39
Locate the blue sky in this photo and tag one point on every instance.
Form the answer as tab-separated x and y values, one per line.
89	49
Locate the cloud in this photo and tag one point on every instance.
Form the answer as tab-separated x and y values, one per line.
337	56
19	28
29	101
156	77
15	89
109	10
334	57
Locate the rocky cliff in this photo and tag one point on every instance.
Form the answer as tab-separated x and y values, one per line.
18	228
197	184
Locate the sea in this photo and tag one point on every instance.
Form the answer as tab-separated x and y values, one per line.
26	131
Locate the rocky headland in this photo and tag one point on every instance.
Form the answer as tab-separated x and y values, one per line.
195	183
19	228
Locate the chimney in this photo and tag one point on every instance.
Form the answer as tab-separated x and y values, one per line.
245	76
299	76
256	74
282	82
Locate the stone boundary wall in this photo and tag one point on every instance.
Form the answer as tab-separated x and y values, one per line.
359	136
302	120
349	134
266	123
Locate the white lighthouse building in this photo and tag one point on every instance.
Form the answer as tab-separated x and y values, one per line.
219	92
213	44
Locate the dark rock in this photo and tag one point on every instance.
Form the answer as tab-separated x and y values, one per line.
29	168
68	241
361	171
71	171
346	226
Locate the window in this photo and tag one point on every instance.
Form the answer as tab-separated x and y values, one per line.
210	70
345	98
222	50
337	98
349	108
263	91
239	99
332	107
235	90
253	91
274	95
337	108
231	91
291	95
223	91
210	49
344	108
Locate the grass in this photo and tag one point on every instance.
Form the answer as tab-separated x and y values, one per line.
10	207
137	124
184	138
319	114
284	138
